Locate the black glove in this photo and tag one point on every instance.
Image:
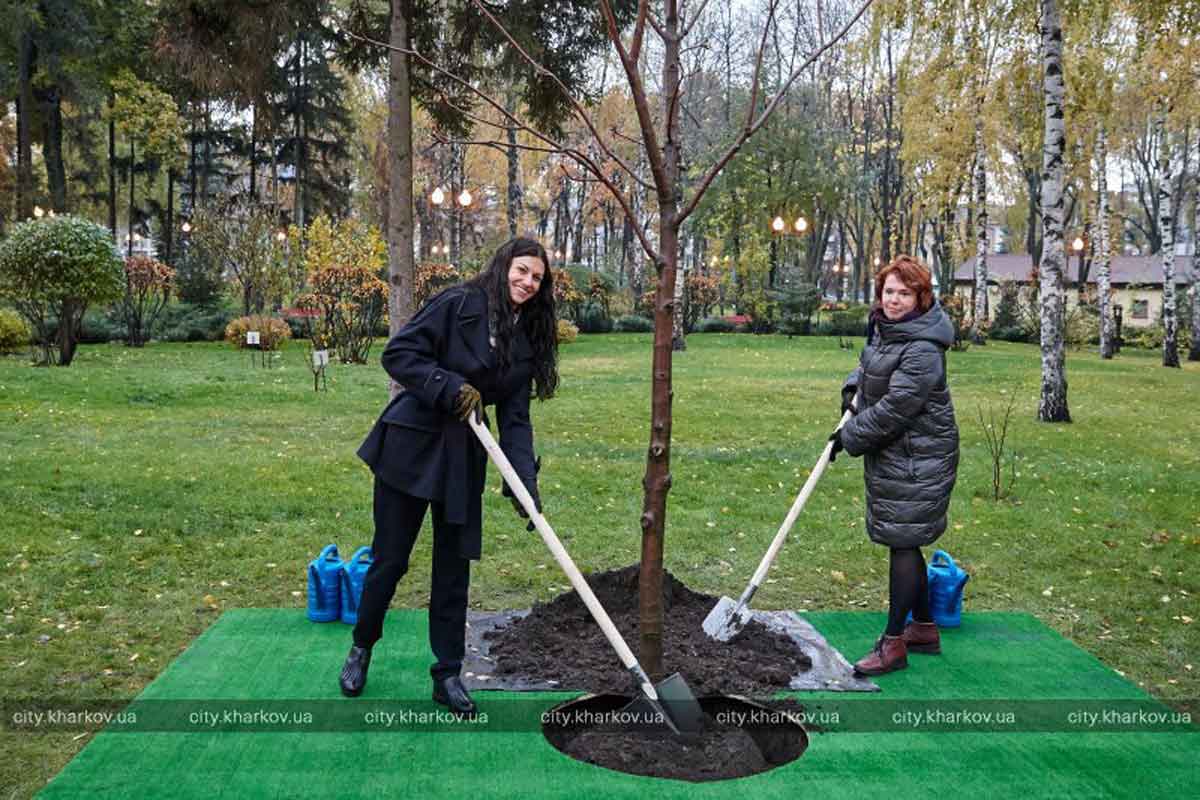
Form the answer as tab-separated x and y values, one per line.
466	401
516	504
836	438
848	400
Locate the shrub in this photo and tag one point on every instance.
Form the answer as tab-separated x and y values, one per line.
193	322
592	319
851	322
51	270
147	289
341	261
431	278
714	325
272	331
633	323
101	325
567	332
14	332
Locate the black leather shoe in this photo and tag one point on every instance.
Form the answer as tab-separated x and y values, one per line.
354	671
451	693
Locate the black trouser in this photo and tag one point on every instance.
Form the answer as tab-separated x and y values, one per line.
908	589
398	518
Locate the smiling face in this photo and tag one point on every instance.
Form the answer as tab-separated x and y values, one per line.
897	298
525	275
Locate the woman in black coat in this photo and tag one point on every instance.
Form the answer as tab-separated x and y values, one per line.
492	340
904	428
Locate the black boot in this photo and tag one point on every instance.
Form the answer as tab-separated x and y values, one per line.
354	671
451	693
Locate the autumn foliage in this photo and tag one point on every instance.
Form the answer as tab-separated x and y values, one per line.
342	261
148	284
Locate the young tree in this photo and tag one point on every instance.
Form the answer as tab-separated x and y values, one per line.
147	290
660	138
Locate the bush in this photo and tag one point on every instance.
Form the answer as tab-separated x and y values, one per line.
14	332
851	322
53	269
193	322
272	331
592	319
1013	334
101	325
633	323
714	325
567	332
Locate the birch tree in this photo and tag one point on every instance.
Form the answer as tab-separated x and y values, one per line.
1052	406
1170	353
1104	262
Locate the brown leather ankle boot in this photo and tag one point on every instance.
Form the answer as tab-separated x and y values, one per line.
922	637
888	655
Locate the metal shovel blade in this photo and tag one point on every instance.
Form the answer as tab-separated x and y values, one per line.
726	619
676	707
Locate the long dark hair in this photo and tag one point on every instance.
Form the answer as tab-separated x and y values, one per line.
536	319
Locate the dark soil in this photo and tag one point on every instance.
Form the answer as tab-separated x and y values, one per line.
560	641
720	751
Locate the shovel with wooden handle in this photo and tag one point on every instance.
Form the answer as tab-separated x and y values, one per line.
670	701
728	617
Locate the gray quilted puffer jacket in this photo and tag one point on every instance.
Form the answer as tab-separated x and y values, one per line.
905	429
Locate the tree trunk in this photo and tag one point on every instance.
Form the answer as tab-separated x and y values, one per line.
25	59
1194	350
401	269
1104	264
513	207
50	102
253	151
981	237
1170	356
678	329
129	233
112	167
169	232
657	481
1052	406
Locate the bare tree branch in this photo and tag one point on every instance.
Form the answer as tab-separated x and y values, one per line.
640	103
687	28
581	158
765	115
639	28
542	70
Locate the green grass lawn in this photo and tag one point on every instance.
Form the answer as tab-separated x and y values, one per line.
143	491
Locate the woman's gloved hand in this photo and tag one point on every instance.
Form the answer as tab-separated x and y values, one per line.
836	438
466	401
516	504
848	400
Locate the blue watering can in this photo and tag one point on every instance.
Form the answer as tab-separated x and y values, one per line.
324	601
946	582
353	574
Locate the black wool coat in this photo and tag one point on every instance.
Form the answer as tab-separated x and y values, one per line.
905	429
418	446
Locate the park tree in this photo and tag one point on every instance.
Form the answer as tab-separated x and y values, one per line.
147	115
242	239
1052	406
51	270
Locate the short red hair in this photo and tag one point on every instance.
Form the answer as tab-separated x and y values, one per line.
913	274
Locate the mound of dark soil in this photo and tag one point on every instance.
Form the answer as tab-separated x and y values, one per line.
560	641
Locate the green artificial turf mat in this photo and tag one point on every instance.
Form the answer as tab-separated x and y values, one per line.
268	656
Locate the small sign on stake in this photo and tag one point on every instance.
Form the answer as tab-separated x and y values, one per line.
320	358
252	337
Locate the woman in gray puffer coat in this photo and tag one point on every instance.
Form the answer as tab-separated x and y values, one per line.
904	428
